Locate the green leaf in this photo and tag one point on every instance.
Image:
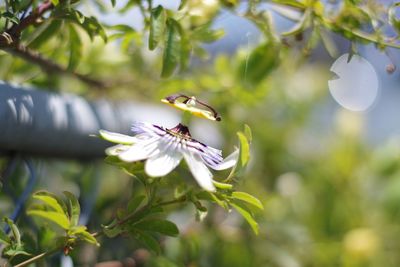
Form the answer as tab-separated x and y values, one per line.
77	229
329	43
248	134
392	19
10	16
75	48
73	207
207	35
50	199
246	215
172	49
12	252
113	232
182	4
148	240
222	185
291	3
244	150
93	28
122	28
243	196
205	195
49	30
58	218
5	239
134	203
55	2
160	226
259	63
113	2
157	26
15	231
86	236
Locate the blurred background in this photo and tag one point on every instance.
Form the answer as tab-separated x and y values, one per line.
329	177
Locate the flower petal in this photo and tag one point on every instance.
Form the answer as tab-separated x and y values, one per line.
115	150
228	162
162	163
148	129
140	151
117	137
199	171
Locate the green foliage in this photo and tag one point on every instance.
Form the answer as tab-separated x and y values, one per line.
157	26
64	213
260	63
13	245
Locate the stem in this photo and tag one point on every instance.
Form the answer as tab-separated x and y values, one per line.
37	257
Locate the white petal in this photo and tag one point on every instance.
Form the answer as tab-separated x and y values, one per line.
140	151
115	150
199	170
228	162
117	137
163	163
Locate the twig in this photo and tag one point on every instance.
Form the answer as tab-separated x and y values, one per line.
37	257
50	66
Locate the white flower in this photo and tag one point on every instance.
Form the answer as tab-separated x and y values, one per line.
163	149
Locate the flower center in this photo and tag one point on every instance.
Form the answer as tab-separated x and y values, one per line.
180	131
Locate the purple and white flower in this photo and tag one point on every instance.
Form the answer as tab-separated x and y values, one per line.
163	149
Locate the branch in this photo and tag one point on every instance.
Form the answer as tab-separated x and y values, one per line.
38	257
51	66
10	42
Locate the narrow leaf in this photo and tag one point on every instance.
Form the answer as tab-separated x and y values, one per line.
172	49
86	236
12	252
222	185
160	226
259	63
182	4
113	2
134	203
148	240
247	216
74	208
77	229
5	239
49	31
10	16
50	199
75	48
112	232
247	133
243	196
58	218
157	26
244	150
15	231
329	43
